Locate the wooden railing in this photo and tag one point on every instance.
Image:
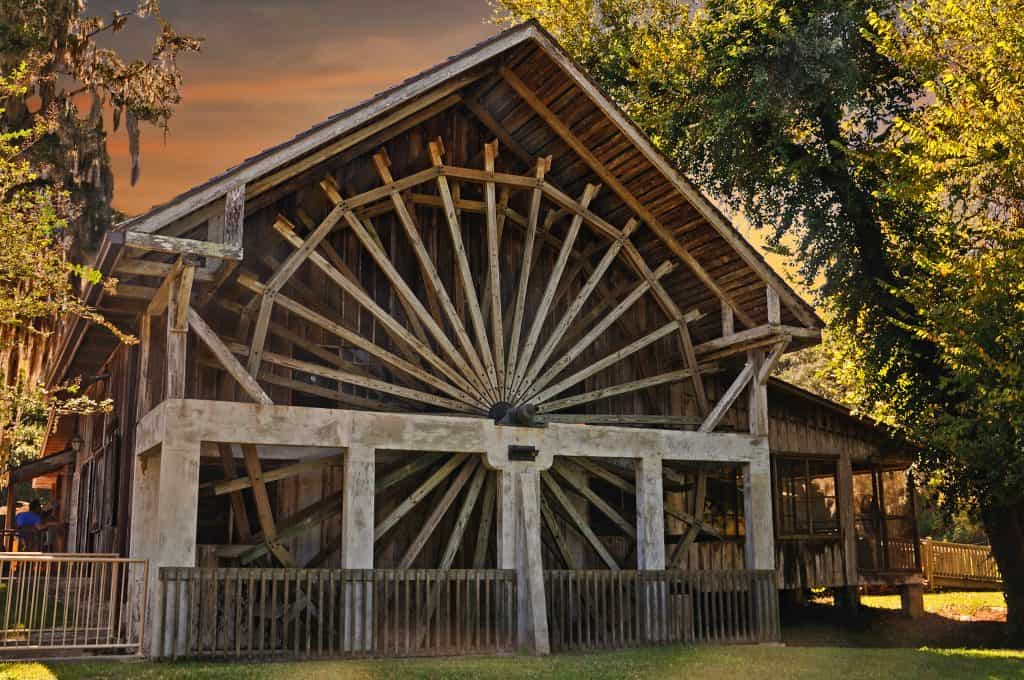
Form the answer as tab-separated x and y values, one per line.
959	565
308	613
600	609
71	602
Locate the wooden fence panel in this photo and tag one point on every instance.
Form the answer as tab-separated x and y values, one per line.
613	609
311	613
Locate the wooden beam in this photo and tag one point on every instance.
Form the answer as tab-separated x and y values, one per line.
431	275
727	400
413	499
418	463
543	165
623	388
390	324
497	129
773	360
437	513
602	364
671	309
176	246
607	319
728	321
576	306
177	333
359	380
772	304
487	511
238	509
361	342
264	512
494	268
552	287
465	273
578	521
404	291
740	339
602	506
292	526
620	189
145	347
562	547
622	419
699	499
227	359
462	519
234	216
275	475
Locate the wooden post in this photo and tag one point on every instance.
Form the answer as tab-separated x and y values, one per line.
847	520
757	412
177	329
530	564
12	507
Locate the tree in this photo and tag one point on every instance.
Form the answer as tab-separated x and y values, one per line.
57	186
68	65
886	137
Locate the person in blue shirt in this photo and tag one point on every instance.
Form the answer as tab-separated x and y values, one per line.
29	523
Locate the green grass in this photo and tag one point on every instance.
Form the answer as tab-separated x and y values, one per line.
713	663
959	603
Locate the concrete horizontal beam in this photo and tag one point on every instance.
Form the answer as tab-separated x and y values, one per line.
197	420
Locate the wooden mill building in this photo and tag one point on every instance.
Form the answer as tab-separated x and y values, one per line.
477	322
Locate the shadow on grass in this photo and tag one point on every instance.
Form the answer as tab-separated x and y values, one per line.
818	625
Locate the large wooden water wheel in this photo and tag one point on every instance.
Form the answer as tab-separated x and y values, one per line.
465	290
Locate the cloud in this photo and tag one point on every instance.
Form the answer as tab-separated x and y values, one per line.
269	70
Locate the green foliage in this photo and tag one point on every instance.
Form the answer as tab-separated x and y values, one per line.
57	186
68	66
35	288
887	138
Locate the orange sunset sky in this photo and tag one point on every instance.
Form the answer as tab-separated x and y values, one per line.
269	69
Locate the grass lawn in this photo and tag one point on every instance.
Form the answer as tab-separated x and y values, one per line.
777	663
952	604
820	643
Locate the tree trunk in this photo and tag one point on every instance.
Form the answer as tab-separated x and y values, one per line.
1005	528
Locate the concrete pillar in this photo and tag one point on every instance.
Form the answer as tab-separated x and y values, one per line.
142	539
650	537
357	508
357	537
912	599
759	540
165	500
530	566
650	513
519	548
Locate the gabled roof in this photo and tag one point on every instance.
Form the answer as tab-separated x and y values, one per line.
692	227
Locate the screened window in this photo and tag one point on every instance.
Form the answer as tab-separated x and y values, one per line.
806	496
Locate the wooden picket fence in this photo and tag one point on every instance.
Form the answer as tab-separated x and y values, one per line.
959	565
609	609
310	613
